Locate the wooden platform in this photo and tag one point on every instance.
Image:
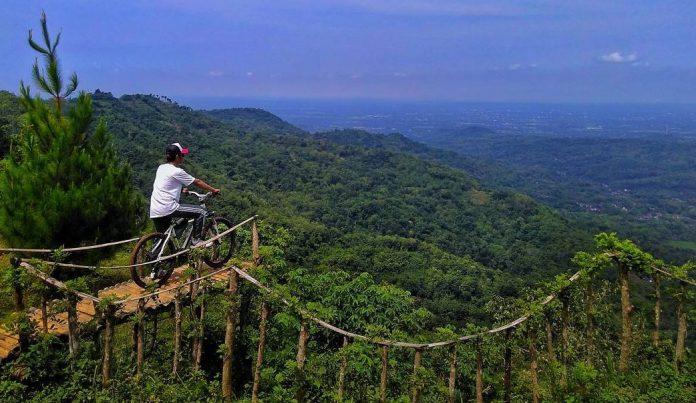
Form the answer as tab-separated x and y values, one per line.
58	323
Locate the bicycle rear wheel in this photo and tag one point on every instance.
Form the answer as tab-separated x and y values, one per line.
146	250
221	249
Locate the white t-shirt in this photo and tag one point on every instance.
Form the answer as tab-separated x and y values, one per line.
167	189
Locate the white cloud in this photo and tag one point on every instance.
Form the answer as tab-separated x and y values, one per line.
216	73
618	57
515	66
250	73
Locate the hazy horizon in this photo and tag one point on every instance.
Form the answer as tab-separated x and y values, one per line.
409	50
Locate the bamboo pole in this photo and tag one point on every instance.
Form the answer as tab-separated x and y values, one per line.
416	389
533	367
658	308
479	372
140	324
383	375
259	353
301	358
177	332
342	370
108	344
681	330
507	379
73	342
626	310
452	373
255	242
231	316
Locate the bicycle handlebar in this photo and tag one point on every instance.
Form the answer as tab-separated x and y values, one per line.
201	197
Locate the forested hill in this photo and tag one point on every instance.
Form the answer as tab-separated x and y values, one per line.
426	227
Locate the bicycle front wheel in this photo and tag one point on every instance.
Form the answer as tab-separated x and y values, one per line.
220	250
146	269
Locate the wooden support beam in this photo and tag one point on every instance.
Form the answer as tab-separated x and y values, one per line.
200	331
680	349
626	315
507	379
479	372
44	313
658	308
301	358
255	242
109	313
73	342
452	373
140	325
259	353
416	388
342	370
383	375
17	285
177	332
534	366
231	316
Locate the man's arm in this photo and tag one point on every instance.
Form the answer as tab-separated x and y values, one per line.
201	184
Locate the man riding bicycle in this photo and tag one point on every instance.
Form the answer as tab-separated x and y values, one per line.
167	188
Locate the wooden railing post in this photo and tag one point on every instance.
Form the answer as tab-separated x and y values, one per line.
109	313
255	242
452	373
44	312
549	338
479	371
383	375
565	337
259	353
301	358
681	330
231	316
507	379
533	367
342	369
416	388
177	332
658	309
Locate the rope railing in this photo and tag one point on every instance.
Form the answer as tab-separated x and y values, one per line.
385	342
204	244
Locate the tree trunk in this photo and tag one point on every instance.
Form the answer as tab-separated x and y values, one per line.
73	343
533	368
108	345
681	330
383	375
507	380
626	310
177	332
342	370
301	358
259	353
479	372
416	389
231	316
452	373
658	309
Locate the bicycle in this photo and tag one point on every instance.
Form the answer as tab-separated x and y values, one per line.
147	265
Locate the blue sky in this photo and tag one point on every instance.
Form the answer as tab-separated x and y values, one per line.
495	50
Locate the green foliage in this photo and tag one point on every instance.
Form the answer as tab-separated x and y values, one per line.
61	184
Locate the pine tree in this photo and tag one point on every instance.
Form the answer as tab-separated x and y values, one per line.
62	183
